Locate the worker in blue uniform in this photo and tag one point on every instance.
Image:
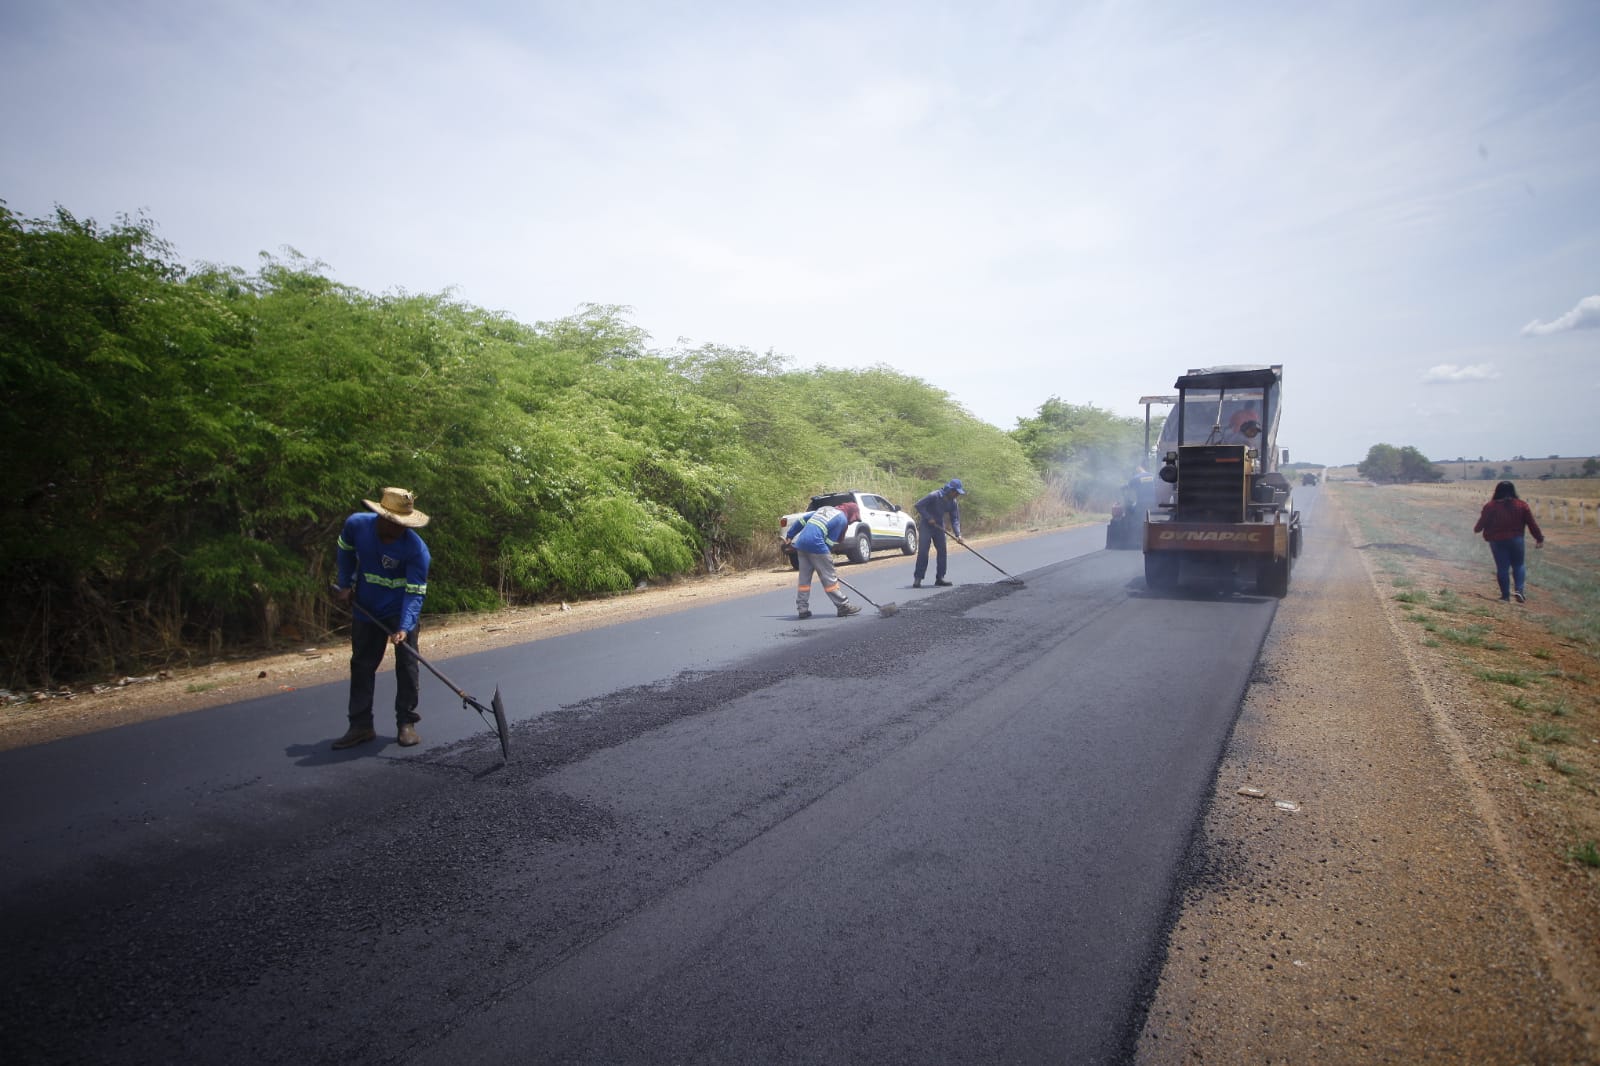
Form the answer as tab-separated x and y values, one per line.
932	510
814	535
383	563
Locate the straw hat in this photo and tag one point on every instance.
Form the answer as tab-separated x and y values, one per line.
399	507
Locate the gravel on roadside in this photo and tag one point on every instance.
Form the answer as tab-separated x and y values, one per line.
1356	894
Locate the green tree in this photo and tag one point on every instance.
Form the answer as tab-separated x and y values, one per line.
778	455
804	431
118	378
1382	463
1385	462
186	442
1414	466
1090	450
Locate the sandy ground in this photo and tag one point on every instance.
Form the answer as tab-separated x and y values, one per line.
1401	911
1395	915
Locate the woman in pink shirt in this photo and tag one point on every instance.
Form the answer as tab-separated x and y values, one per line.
1501	523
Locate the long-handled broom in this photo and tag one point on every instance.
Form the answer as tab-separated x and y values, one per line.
1010	580
884	609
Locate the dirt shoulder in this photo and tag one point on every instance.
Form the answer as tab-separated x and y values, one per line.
1406	906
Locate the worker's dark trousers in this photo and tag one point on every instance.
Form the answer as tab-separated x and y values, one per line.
367	644
930	535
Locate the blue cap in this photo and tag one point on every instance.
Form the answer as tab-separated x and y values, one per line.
955	483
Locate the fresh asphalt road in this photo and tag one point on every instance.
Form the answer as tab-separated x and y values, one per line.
100	794
724	836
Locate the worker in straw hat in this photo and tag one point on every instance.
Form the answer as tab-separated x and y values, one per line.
384	563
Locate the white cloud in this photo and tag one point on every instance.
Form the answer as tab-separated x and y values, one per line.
1585	316
1450	374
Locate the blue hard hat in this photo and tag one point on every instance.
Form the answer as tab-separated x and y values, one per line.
955	483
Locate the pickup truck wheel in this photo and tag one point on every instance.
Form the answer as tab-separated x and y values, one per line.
909	545
861	549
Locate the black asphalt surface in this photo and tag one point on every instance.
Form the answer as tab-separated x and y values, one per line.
725	836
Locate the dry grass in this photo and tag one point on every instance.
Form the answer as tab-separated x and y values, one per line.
1536	666
1586	488
1525	472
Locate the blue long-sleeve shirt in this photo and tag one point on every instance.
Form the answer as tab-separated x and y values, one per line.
390	579
819	530
938	503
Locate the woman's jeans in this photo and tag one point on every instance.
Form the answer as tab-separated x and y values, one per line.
1509	557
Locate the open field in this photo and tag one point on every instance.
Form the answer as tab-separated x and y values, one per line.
1555	504
1575	488
1534	668
1568	470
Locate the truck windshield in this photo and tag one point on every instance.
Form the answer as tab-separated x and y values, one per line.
1215	416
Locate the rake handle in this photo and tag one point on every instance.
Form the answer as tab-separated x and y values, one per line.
451	685
495	710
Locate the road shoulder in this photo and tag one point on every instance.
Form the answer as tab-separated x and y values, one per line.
1385	918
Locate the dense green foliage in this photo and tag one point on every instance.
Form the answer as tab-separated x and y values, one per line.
1385	462
1088	451
186	442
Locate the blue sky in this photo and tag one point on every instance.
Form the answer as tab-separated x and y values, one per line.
1400	202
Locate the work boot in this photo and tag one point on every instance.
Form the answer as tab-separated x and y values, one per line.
406	735
357	734
848	609
942	583
916	582
803	615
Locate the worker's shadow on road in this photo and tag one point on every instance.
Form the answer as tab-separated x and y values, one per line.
322	753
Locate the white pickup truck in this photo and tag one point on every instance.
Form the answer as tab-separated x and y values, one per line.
883	525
